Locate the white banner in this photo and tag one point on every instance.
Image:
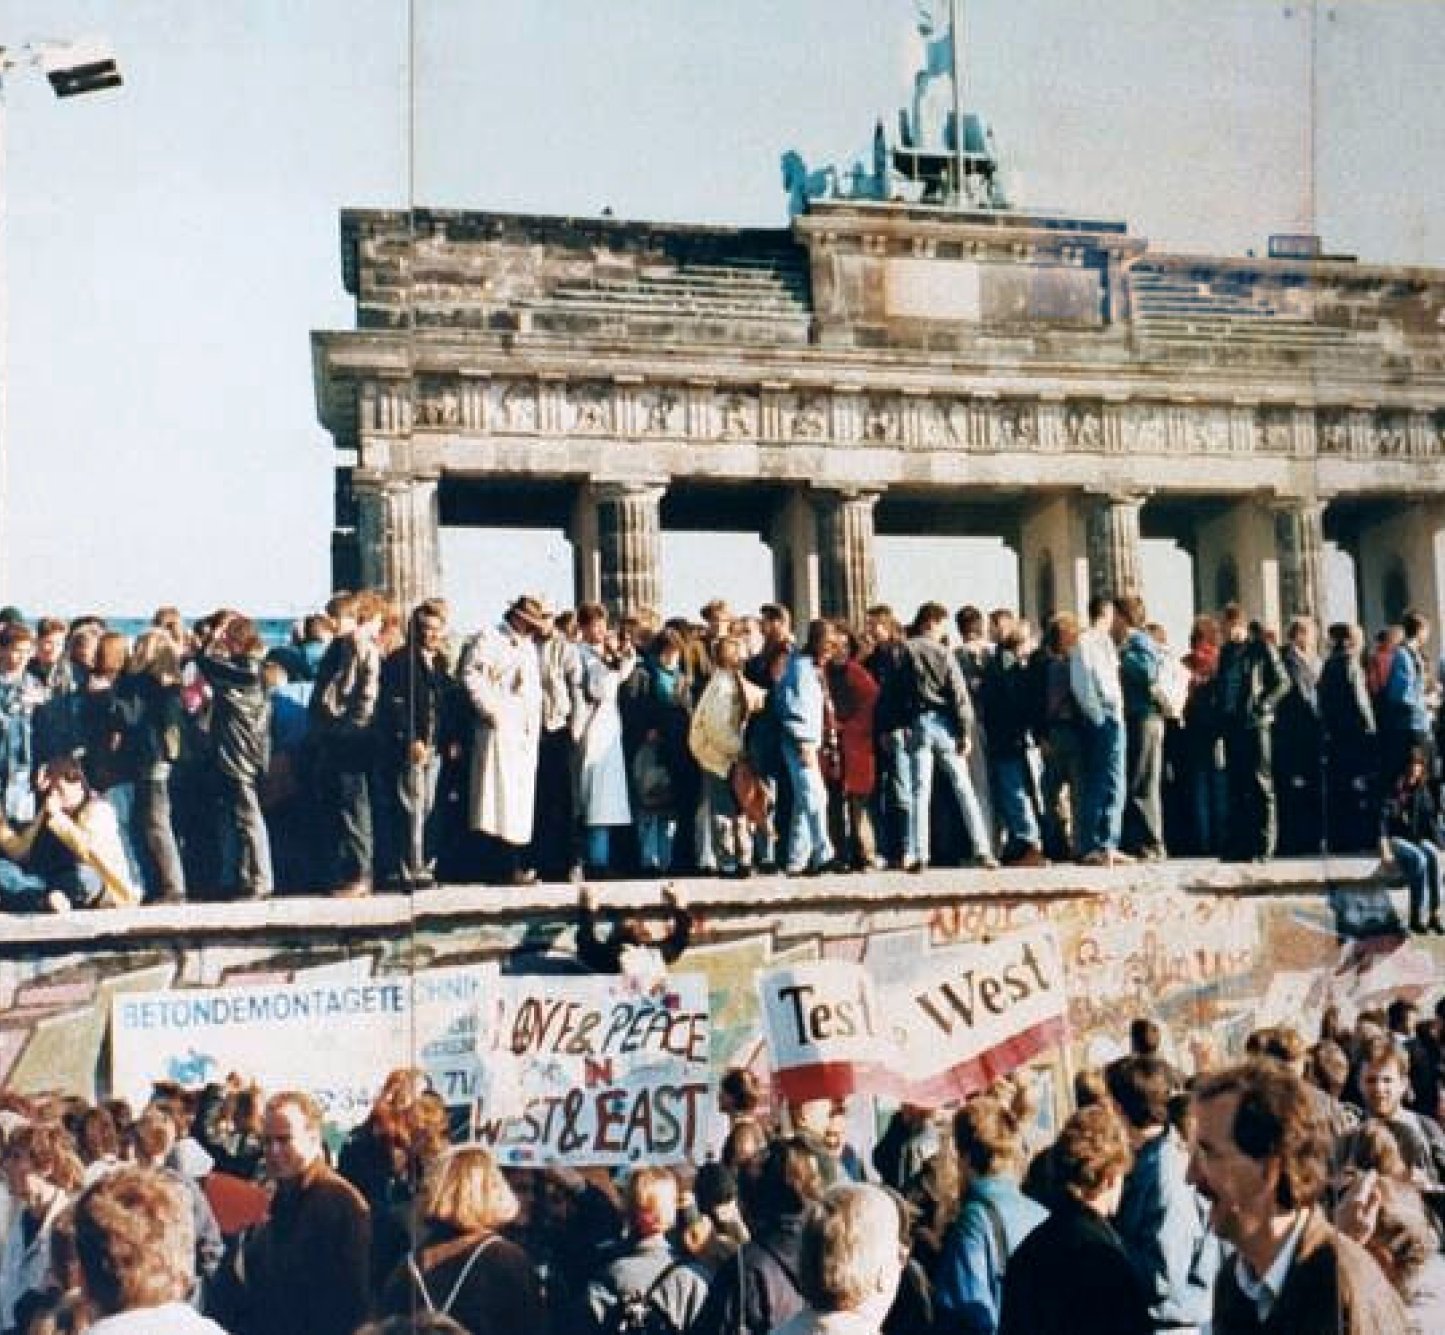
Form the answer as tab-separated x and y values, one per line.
826	1030
949	1026
594	1070
974	1013
335	1038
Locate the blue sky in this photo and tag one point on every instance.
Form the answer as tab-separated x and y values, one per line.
170	246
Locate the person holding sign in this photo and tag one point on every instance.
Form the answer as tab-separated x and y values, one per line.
631	948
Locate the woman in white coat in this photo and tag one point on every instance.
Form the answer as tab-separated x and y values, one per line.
502	676
602	798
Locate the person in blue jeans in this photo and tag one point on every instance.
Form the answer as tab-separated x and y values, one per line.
1094	680
798	702
940	732
1411	839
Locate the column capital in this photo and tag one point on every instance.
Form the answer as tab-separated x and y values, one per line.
629	488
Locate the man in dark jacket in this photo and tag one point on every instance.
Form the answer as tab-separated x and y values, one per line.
1251	685
1299	745
1071	1276
941	731
307	1267
1258	1156
415	680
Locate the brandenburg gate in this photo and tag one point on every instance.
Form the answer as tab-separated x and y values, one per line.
888	367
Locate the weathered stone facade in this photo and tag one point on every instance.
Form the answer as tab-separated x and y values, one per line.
874	362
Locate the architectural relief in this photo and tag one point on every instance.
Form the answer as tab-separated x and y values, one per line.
439	404
737	417
1147	430
662	413
517	408
1084	428
1015	427
591	408
808	418
1276	430
881	425
1332	429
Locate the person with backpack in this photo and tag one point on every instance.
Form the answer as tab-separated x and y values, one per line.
644	1287
994	1217
759	1288
464	1268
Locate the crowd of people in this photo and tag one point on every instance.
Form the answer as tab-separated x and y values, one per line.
382	751
1298	1191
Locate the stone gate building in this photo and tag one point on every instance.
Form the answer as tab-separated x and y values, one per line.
886	368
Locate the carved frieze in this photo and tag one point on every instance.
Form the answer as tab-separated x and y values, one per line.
1332	431
781	413
591	407
882	424
804	415
516	408
439	403
1146	428
1084	427
660	411
1274	433
1389	435
1015	426
737	415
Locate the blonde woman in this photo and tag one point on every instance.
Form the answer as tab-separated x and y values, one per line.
465	1268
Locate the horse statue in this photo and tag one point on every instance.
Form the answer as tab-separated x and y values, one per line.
803	185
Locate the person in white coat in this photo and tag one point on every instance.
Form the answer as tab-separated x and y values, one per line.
501	674
602	800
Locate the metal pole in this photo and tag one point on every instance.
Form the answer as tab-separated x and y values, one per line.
4	345
955	21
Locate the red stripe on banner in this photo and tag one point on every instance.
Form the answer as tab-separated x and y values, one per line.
836	1080
981	1071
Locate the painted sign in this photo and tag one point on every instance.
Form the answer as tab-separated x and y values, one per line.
951	1024
974	1013
335	1037
826	1031
593	1071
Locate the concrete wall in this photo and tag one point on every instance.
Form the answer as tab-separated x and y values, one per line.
1208	950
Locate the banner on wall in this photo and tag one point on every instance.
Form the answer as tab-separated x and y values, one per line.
826	1030
593	1071
335	1038
974	1013
957	1021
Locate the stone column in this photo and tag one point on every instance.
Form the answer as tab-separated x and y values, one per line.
629	545
1053	556
1299	538
847	572
792	535
1114	545
397	523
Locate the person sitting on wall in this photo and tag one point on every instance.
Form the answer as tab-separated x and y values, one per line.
631	947
70	855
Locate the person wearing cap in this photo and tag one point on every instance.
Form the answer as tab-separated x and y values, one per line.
501	674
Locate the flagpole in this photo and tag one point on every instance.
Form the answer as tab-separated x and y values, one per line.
956	78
